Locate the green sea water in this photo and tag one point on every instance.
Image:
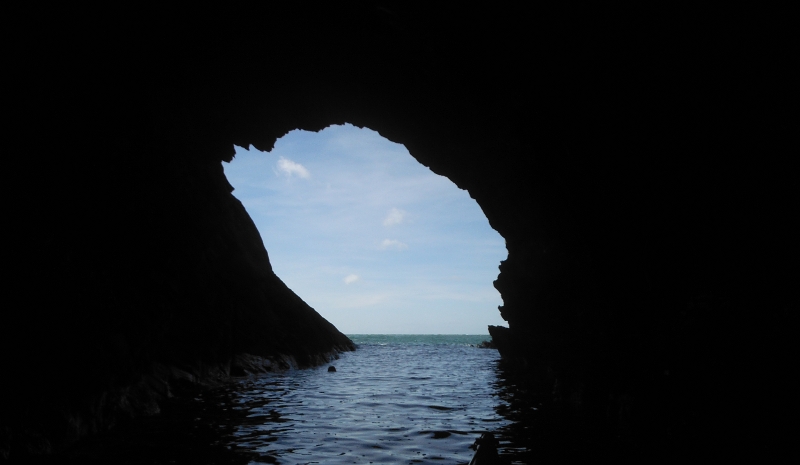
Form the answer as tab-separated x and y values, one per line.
432	339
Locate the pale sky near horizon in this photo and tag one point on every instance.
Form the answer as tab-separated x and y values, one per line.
373	240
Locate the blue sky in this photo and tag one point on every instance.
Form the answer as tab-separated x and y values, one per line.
373	240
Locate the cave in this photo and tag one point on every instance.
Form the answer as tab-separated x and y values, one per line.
636	163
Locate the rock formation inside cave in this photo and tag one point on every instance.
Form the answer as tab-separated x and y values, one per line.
634	161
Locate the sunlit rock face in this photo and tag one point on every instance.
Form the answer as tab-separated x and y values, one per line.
637	172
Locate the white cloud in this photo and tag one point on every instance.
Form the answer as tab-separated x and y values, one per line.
290	168
395	216
393	244
351	278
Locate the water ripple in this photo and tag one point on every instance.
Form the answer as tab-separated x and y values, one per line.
386	403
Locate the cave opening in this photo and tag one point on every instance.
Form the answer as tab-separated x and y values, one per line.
369	237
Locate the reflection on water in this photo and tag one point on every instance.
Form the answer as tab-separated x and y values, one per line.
400	402
541	427
525	405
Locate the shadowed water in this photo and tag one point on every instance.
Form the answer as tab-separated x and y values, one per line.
397	399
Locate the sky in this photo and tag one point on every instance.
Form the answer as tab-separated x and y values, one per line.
370	238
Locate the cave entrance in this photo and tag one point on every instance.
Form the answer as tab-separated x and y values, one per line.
369	237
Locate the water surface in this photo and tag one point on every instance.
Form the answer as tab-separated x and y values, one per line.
397	399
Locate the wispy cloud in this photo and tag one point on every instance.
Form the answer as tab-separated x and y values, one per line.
290	168
393	244
394	217
351	278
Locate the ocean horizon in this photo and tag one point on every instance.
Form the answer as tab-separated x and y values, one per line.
402	337
465	339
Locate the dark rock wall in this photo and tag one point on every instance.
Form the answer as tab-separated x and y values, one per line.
163	276
636	161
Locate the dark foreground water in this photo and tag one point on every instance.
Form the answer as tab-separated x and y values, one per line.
397	399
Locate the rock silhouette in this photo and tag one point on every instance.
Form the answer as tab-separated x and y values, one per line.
635	162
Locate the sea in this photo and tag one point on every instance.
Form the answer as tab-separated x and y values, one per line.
402	399
396	399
